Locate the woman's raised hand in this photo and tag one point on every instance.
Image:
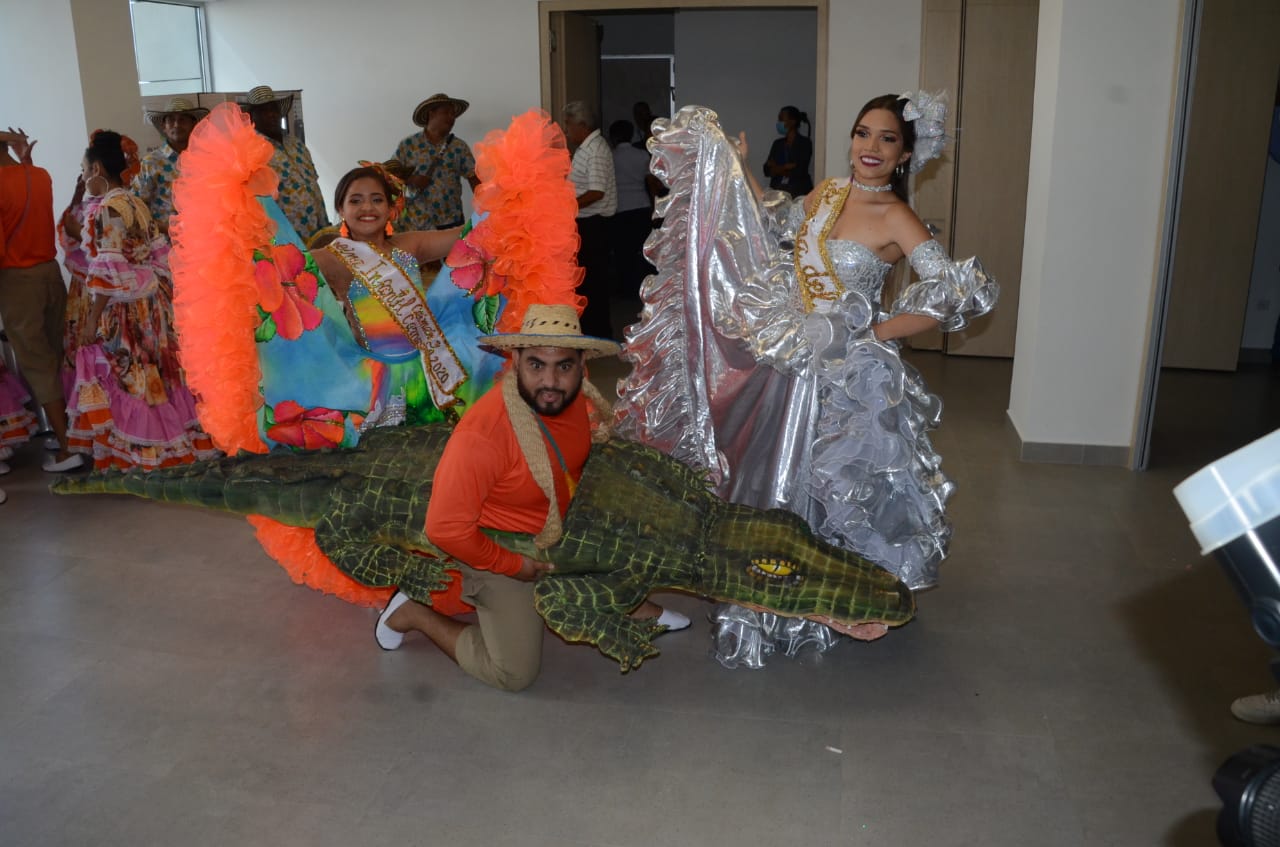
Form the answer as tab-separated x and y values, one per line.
742	145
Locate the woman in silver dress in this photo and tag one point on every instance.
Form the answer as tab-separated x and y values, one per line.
765	355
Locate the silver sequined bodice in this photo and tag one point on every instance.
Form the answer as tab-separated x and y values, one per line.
858	268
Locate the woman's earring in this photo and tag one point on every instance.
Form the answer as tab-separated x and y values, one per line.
343	231
900	170
390	230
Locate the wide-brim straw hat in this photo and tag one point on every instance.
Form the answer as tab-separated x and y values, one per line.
420	113
175	106
261	95
552	326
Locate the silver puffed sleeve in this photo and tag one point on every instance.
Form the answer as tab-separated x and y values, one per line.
783	215
953	293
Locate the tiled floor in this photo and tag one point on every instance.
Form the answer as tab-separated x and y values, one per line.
164	683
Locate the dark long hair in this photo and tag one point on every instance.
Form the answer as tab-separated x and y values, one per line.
106	148
344	185
906	129
799	117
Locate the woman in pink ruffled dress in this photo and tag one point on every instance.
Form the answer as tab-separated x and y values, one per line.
128	405
17	422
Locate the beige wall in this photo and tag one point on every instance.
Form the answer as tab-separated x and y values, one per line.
109	70
359	93
70	69
1105	81
38	42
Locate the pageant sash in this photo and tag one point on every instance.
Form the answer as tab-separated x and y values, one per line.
818	281
407	305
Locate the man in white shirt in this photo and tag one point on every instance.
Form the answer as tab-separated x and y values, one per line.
593	178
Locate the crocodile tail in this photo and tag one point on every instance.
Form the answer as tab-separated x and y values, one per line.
240	485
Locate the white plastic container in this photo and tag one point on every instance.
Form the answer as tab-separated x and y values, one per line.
1233	506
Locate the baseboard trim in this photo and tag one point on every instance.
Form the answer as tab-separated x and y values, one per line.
1053	453
1074	454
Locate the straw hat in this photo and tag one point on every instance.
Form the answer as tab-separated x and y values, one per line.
175	106
420	112
552	326
261	95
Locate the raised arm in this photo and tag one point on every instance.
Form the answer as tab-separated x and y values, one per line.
429	245
743	149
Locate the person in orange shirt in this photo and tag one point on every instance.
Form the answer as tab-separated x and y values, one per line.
33	297
525	440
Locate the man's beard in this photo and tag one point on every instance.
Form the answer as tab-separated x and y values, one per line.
555	407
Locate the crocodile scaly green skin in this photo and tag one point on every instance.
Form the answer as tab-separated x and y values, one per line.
639	522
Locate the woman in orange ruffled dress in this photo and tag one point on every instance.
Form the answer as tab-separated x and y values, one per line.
309	349
351	337
128	406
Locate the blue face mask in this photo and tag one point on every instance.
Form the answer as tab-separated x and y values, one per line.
782	128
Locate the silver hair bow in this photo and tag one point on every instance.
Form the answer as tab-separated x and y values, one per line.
929	114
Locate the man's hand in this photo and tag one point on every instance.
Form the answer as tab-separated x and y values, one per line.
531	569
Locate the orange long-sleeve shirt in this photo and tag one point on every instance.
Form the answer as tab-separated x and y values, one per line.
27	236
483	481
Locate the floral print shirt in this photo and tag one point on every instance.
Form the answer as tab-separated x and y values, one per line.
440	204
300	198
154	182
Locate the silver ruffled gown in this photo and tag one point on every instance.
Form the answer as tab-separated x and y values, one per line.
785	406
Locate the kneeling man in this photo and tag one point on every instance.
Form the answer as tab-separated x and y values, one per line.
520	446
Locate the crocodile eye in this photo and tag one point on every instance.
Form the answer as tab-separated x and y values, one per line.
775	570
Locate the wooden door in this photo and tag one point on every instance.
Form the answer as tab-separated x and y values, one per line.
984	53
1237	61
574	53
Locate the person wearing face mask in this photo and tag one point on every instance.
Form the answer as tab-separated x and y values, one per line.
788	384
788	164
128	405
154	182
439	162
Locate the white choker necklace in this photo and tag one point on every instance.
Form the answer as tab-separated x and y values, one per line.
875	189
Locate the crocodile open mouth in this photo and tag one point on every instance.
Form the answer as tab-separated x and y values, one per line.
868	631
861	631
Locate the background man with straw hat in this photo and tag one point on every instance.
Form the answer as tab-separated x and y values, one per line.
300	198
154	182
511	464
437	162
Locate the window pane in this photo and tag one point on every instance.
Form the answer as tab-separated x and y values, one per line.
167	40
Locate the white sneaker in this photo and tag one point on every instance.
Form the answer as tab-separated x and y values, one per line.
1258	708
52	465
388	638
673	620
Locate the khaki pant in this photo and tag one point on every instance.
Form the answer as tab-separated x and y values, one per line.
504	648
33	308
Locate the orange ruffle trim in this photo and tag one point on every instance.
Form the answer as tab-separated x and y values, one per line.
307	565
532	226
218	226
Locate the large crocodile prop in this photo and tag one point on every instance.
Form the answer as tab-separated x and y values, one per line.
639	522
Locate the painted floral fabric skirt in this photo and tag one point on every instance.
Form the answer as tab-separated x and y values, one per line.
17	421
127	405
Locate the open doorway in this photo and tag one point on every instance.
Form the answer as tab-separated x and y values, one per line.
1211	384
746	63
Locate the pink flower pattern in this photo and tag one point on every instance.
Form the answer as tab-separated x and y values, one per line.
287	291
